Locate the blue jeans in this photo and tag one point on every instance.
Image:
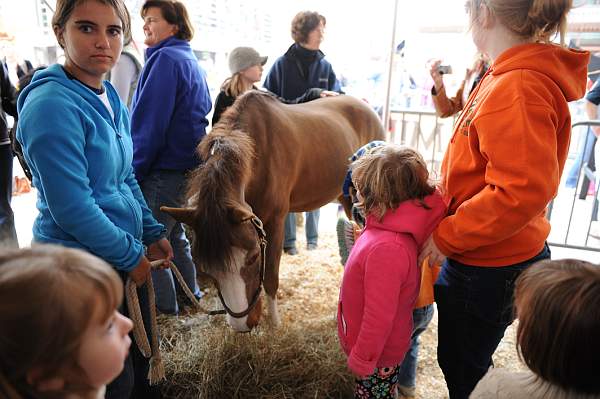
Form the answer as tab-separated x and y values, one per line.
584	149
8	234
312	229
167	188
407	372
475	306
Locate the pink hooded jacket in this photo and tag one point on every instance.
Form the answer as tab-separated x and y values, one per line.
381	284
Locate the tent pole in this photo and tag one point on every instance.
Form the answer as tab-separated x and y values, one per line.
386	105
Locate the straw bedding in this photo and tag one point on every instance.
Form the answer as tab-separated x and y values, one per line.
300	359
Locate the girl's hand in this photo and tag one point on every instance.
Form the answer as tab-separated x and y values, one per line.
436	257
160	249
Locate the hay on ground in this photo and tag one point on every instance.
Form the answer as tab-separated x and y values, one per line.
301	359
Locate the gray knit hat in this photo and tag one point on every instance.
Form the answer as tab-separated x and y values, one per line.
244	57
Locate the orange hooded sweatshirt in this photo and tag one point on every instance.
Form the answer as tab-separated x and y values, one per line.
507	153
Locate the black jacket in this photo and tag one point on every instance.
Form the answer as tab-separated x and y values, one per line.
298	70
8	104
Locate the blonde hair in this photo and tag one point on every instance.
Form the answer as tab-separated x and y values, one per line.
530	19
48	297
389	175
233	86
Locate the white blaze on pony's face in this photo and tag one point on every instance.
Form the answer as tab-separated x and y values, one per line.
233	290
241	280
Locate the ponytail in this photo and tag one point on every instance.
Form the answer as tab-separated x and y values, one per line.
549	17
530	19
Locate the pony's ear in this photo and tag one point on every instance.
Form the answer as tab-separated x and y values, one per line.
183	215
239	214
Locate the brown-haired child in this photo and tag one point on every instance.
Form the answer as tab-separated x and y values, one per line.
381	279
558	305
61	335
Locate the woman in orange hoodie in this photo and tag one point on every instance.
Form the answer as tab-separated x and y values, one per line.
502	167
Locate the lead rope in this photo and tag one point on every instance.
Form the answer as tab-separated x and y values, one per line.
152	350
156	373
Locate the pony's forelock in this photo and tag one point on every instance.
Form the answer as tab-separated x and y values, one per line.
227	156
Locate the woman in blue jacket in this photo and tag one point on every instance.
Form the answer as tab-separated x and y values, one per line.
301	68
168	120
75	135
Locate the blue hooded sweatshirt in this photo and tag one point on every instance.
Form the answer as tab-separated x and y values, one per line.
288	78
80	158
168	110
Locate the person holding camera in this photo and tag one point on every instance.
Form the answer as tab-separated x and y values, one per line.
444	106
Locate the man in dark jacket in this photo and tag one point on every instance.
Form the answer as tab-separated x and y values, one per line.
302	67
8	234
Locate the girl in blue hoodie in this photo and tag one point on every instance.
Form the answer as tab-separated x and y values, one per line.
75	136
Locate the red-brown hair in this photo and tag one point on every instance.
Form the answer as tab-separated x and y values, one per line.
48	297
175	13
558	305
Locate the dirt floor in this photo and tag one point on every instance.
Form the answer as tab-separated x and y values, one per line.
309	284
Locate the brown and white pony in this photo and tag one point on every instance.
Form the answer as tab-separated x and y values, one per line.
265	159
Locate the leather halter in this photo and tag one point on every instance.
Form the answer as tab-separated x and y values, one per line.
262	238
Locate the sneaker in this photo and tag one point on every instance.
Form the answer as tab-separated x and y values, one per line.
406	392
311	246
345	235
291	251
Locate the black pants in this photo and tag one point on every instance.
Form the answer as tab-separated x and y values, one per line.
475	306
133	382
8	234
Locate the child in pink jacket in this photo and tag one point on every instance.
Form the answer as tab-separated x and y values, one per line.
381	279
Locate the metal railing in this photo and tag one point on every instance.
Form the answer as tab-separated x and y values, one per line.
423	131
429	134
582	211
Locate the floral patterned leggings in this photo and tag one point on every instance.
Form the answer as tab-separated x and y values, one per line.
382	383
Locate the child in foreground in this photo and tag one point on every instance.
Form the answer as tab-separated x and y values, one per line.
381	279
61	334
558	305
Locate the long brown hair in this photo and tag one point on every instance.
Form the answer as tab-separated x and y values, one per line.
234	85
48	296
389	175
558	306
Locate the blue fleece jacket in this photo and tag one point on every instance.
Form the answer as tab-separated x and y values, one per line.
288	79
80	158
168	110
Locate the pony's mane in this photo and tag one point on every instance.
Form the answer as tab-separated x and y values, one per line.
231	118
213	188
